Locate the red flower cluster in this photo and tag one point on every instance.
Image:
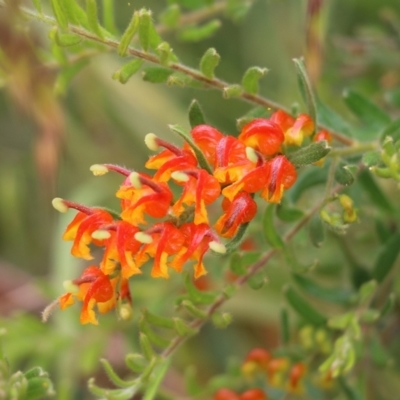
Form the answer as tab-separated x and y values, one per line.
237	169
251	394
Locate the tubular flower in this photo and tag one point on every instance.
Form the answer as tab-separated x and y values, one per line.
82	226
262	135
276	369
145	197
256	360
94	288
281	175
198	239
166	239
242	209
120	247
206	138
253	394
296	375
200	189
226	394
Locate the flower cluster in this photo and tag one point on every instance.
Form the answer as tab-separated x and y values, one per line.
214	166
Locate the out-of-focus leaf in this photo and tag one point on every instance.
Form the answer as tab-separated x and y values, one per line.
60	13
331	119
303	308
393	130
156	74
257	281
198	33
93	18
286	213
251	77
197	296
127	70
316	231
386	258
170	16
196	116
371	158
270	232
344	174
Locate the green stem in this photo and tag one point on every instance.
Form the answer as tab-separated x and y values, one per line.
355	148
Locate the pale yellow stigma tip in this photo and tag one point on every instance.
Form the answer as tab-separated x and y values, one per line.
151	141
125	312
143	238
59	205
99	169
134	178
180	176
251	154
101	234
70	287
217	247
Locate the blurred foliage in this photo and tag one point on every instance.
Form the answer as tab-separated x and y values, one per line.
49	138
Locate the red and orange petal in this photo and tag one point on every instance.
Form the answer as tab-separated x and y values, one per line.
253	394
281	175
263	135
206	138
259	356
197	239
241	210
252	182
81	228
230	150
201	189
226	394
146	201
323	135
296	375
302	127
167	162
284	120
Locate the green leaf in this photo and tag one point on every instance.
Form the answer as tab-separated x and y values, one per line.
270	233
371	158
75	14
328	117
221	320
109	16
197	296
366	291
303	308
182	328
198	33
350	392
60	13
38	388
136	362
128	70
285	329
67	39
196	116
367	112
374	191
35	372
392	130
334	295
257	281
236	264
309	154
156	379
93	18
316	231
209	62
129	33
251	77
157	320
170	16
341	322
386	258
344	174
38	5
306	89
197	312
389	304
153	337
197	151
288	214
146	346
165	52
192	386
156	74
112	375
144	28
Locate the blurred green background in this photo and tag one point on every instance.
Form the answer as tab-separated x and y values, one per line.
48	142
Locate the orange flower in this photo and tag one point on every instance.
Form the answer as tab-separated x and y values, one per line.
82	226
206	138
276	369
242	209
198	239
256	360
296	374
253	394
146	196
200	189
280	175
262	135
226	394
94	289
284	120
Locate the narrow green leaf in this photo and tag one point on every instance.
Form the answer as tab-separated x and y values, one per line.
374	191
316	231
198	33
334	295
368	113
93	18
197	296
309	154
344	174
112	375
286	213
75	14
170	16
235	242
270	233
209	62
112	394
197	312
392	130
303	308
156	74
285	329
156	379
157	320
182	328
67	39
38	5
135	362
153	337
155	39
251	77
386	258
144	28
146	346
371	158
128	35
331	119
197	151
60	13
236	264
109	16
306	89
128	70
196	116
